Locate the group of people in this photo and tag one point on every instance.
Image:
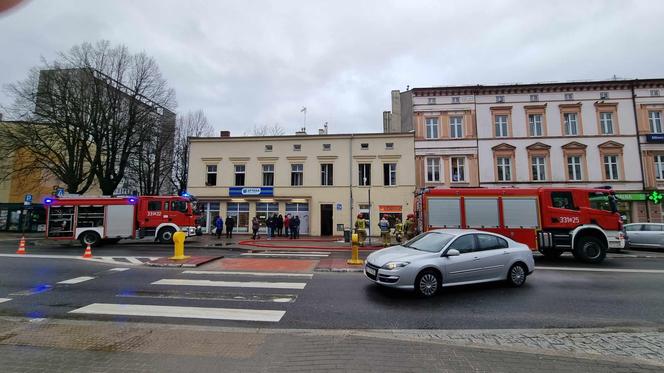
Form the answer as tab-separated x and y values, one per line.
408	228
219	226
278	226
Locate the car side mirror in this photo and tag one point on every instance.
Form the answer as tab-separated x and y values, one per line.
452	252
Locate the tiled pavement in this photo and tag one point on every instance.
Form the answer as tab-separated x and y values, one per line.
88	346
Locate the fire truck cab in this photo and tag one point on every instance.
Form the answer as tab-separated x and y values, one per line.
550	220
93	220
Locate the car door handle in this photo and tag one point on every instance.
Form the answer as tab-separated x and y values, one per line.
505	252
476	258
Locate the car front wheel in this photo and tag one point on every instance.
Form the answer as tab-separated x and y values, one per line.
427	283
516	276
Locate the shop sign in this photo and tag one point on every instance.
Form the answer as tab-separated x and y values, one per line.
655	137
249	191
389	208
631	196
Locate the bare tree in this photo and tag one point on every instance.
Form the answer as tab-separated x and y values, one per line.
192	124
266	130
50	136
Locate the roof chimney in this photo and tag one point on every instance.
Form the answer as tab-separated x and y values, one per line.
225	134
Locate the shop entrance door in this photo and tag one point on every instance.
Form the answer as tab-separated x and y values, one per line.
326	220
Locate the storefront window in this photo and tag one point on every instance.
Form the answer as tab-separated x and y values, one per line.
263	211
211	211
239	212
301	210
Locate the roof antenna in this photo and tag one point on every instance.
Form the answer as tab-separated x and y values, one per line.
407	87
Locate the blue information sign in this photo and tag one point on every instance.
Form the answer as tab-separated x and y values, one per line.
250	191
28	198
60	192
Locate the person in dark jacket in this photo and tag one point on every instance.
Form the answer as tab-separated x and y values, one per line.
219	225
280	225
287	225
296	227
255	225
230	224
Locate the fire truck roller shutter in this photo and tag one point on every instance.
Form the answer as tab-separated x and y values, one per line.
444	212
520	212
120	221
482	212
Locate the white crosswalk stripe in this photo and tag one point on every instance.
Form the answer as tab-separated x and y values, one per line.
76	280
237	314
2	300
294	254
218	295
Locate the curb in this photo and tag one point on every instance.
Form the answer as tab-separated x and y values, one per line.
340	270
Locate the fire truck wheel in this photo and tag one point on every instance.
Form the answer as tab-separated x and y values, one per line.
89	237
166	235
589	249
517	275
427	283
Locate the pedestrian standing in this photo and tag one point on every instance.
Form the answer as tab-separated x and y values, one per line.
297	226
255	225
268	225
286	223
360	229
280	225
230	224
219	225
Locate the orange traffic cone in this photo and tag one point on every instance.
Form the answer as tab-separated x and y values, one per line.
21	246
88	252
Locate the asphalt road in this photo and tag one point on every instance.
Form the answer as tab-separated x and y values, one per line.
551	298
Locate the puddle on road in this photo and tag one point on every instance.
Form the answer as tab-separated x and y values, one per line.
36	290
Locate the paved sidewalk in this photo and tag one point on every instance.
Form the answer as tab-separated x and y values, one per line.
90	346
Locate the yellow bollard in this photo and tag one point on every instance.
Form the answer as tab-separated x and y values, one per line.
178	243
355	258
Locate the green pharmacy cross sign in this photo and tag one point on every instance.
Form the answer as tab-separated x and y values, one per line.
655	197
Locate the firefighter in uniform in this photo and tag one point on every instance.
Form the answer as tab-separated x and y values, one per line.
409	226
384	226
398	230
361	229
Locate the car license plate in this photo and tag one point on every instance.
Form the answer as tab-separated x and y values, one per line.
370	271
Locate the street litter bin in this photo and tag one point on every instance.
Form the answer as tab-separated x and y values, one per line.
346	235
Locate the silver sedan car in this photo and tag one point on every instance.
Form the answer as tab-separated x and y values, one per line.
446	257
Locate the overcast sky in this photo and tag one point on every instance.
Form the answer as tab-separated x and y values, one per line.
255	62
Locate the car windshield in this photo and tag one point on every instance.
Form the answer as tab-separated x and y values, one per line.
430	241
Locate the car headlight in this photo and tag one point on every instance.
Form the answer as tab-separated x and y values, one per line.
394	265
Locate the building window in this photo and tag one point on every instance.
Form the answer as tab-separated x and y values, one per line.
456	126
574	168
534	98
327	147
501	126
364	146
268	148
389	174
431	100
611	167
500	99
604	95
504	165
389	145
211	179
570	124
297	173
432	128
365	174
433	170
297	147
659	167
654	92
456	100
655	120
268	174
535	121
538	168
458	168
327	174
606	123
569	96
239	174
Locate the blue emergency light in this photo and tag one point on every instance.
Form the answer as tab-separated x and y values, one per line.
48	201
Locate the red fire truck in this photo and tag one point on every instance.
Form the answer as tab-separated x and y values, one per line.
551	220
94	220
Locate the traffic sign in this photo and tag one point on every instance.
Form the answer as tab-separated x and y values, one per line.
60	192
28	198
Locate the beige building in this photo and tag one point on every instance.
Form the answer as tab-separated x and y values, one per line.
326	180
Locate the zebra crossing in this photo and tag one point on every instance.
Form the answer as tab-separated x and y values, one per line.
241	296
